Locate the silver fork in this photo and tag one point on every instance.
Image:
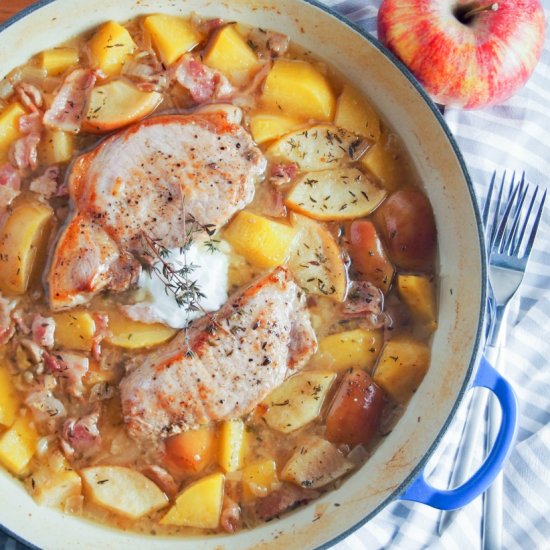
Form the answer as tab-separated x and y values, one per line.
510	235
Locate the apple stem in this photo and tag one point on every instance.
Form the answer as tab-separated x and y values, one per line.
479	9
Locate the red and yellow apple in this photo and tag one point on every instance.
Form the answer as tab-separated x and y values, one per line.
466	53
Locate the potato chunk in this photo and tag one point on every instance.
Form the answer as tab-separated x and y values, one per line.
171	36
192	451
232	445
199	505
57	60
355	114
18	445
259	479
266	126
263	242
9	399
9	128
320	147
335	195
353	348
297	88
129	334
402	366
56	147
122	491
111	46
229	53
74	330
23	240
315	464
117	104
417	291
316	260
298	400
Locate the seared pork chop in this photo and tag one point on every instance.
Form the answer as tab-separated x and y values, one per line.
153	178
225	365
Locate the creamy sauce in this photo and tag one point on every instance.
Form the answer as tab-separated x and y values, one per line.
210	274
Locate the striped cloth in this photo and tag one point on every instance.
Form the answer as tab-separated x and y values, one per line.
510	136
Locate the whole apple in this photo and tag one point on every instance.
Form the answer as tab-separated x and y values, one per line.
466	53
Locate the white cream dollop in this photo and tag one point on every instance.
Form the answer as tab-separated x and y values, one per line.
210	274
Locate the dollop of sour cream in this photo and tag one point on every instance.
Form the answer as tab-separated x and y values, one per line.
210	273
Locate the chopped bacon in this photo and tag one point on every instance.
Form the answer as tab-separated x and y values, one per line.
71	367
31	124
54	363
288	496
363	298
67	109
21	321
101	331
30	96
81	435
24	152
282	173
206	26
46	408
268	44
162	478
148	74
6	325
202	82
43	330
230	518
47	184
10	184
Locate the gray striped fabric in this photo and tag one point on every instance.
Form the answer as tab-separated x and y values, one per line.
515	135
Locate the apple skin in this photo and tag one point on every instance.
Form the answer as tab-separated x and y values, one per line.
472	65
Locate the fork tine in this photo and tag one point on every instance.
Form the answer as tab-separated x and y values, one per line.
497	244
519	240
511	242
487	204
535	226
492	225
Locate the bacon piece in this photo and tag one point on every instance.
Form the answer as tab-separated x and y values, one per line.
10	184
282	173
268	44
30	96
6	325
148	73
47	184
43	330
206	26
46	408
24	152
31	124
202	82
277	502
76	367
363	298
81	435
162	478
67	109
230	518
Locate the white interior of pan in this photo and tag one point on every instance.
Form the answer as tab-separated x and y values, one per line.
460	292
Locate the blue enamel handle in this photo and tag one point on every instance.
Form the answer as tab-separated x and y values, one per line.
421	491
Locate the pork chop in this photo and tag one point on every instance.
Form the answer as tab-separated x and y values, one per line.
225	364
153	178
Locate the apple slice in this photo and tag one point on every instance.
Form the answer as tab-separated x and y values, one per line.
316	262
341	194
117	104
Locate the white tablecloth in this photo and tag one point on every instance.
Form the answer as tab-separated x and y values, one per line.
512	136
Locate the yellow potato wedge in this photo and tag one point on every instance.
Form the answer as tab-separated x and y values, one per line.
56	147
259	479
297	88
129	334
263	242
315	463
117	104
229	53
355	114
18	445
55	482
192	451
402	366
298	400
171	36
387	163
111	46
9	399
231	445
341	194
316	261
23	240
57	60
321	147
358	348
9	128
74	330
123	491
266	126
418	292
198	505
